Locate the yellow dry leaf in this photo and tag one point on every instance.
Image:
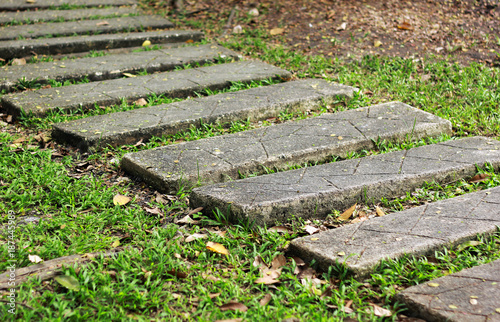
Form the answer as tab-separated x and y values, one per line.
35	259
146	43
348	213
116	243
341	253
129	75
276	31
379	211
217	248
377	43
433	284
121	200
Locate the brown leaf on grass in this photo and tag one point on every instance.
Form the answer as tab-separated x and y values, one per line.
194	211
267	280
102	23
121	200
141	102
380	212
348	213
278	262
379	311
478	178
311	229
18	62
192	237
217	248
306	273
185	220
276	31
213	295
405	26
233	306
153	211
281	229
160	199
263	301
177	273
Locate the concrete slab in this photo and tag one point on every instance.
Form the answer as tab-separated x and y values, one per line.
104	93
470	295
313	192
141	124
281	146
84	27
29	17
422	230
45	4
64	45
113	66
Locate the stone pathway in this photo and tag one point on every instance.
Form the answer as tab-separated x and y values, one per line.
310	192
470	295
282	146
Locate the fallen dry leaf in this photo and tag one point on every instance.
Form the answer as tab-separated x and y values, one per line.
115	244
153	211
141	102
213	295
232	306
405	26
192	237
278	262
177	273
433	284
217	248
311	229
35	259
267	280
121	200
68	282
258	262
265	299
377	43
185	220
146	43
18	61
129	75
380	212
379	311
102	23
480	177
281	229
347	214
276	31
343	26
30	1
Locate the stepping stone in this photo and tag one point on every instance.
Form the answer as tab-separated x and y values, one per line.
64	45
112	66
28	17
470	295
141	124
45	4
172	84
53	29
280	146
313	192
361	247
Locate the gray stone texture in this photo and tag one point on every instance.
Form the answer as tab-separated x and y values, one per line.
172	84
52	15
65	45
313	192
82	27
470	295
281	146
45	4
112	66
141	124
361	247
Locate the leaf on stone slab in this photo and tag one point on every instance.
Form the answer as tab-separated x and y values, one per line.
35	259
379	311
348	213
233	306
276	31
146	43
281	229
311	229
68	282
263	301
141	102
102	23
18	62
433	284
121	200
129	75
217	248
480	177
192	237
380	212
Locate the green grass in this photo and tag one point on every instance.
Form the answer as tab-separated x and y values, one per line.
73	194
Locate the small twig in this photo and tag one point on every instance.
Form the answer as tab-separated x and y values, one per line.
229	21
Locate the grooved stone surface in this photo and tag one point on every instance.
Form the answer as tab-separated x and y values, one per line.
255	104
470	295
112	66
64	45
43	4
280	146
173	84
51	15
416	231
313	192
84	27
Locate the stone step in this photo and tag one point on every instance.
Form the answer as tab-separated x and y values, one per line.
470	295
80	27
64	45
112	66
172	84
14	5
280	146
361	247
313	192
141	124
28	17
